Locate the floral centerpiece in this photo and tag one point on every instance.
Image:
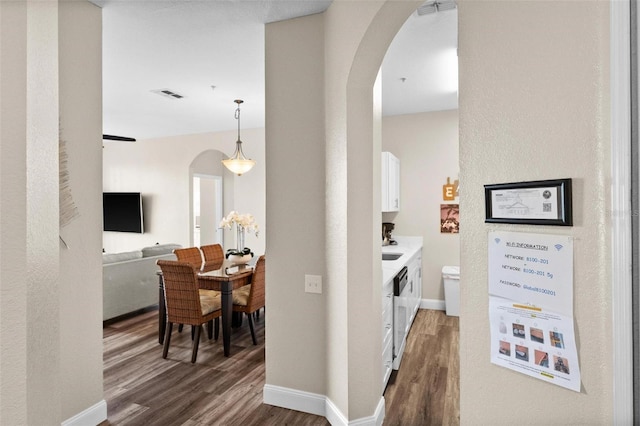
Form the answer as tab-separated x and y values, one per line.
243	223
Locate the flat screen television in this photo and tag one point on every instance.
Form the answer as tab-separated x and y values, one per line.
122	212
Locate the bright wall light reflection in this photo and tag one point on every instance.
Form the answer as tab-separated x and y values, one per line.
450	70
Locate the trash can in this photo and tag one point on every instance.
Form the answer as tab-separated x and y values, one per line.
451	279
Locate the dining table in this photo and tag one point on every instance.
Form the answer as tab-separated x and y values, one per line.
225	280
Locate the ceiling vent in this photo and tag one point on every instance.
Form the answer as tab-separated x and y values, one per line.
436	6
168	93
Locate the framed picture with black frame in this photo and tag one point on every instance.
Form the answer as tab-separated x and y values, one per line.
541	202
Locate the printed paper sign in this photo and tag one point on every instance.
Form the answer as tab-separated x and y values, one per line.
531	306
535	342
535	269
536	203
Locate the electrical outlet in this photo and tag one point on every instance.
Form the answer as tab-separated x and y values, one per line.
313	284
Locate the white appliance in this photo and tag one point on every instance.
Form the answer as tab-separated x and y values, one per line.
401	314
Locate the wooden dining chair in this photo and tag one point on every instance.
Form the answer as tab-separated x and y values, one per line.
190	255
250	298
193	256
213	257
188	304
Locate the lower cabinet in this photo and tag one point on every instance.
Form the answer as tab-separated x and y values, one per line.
415	283
387	332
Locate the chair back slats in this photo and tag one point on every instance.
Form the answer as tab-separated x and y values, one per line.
213	257
256	298
190	255
181	292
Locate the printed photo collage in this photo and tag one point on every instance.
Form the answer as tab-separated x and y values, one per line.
533	344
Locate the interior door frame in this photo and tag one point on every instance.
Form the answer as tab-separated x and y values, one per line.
219	204
621	217
635	205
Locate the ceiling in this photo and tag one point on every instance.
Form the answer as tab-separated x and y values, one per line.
212	52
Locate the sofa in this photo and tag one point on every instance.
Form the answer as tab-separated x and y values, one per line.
130	279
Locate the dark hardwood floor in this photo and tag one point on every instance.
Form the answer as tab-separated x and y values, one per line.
426	388
142	388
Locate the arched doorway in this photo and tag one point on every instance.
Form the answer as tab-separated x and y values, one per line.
335	122
206	176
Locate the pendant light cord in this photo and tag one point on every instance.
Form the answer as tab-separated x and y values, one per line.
237	115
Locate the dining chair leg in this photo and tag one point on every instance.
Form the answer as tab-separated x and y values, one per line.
180	328
210	329
253	333
216	328
193	330
196	341
167	339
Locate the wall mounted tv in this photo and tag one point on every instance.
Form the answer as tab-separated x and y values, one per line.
122	212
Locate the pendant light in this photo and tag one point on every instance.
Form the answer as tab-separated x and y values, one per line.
238	163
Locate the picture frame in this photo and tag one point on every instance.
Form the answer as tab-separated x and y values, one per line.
449	218
541	202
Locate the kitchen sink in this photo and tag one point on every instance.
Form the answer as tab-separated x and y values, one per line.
391	256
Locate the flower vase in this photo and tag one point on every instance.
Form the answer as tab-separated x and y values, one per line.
239	259
239	238
241	256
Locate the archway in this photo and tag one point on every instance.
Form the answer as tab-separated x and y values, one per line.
335	195
207	197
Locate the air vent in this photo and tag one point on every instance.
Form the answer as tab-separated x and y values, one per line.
168	93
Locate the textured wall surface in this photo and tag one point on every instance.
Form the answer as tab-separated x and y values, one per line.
534	104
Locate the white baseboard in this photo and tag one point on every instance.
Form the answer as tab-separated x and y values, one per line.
293	399
334	415
317	404
436	305
93	415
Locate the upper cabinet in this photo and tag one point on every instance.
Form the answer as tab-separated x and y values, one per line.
390	182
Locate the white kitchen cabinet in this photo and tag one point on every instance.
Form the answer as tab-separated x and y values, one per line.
398	310
415	283
387	332
390	182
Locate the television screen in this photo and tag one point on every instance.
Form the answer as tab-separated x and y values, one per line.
122	212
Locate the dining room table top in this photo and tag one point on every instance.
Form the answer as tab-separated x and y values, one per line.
227	272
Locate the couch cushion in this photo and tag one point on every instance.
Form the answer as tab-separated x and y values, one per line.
120	257
159	249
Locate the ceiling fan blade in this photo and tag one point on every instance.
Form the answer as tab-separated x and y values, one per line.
436	6
117	138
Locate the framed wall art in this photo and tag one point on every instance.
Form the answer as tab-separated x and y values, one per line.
449	218
542	202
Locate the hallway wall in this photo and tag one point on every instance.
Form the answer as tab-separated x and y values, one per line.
535	104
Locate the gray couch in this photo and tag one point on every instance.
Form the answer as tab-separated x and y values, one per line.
129	279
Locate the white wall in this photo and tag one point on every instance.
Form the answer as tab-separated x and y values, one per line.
535	104
50	332
427	146
296	323
310	63
160	170
29	362
80	261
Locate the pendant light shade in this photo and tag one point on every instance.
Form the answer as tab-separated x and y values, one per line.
238	163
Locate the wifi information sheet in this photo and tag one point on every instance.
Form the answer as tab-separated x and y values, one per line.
531	306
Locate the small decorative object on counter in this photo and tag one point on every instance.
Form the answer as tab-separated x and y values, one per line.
243	222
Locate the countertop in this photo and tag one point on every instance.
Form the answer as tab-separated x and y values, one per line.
408	246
